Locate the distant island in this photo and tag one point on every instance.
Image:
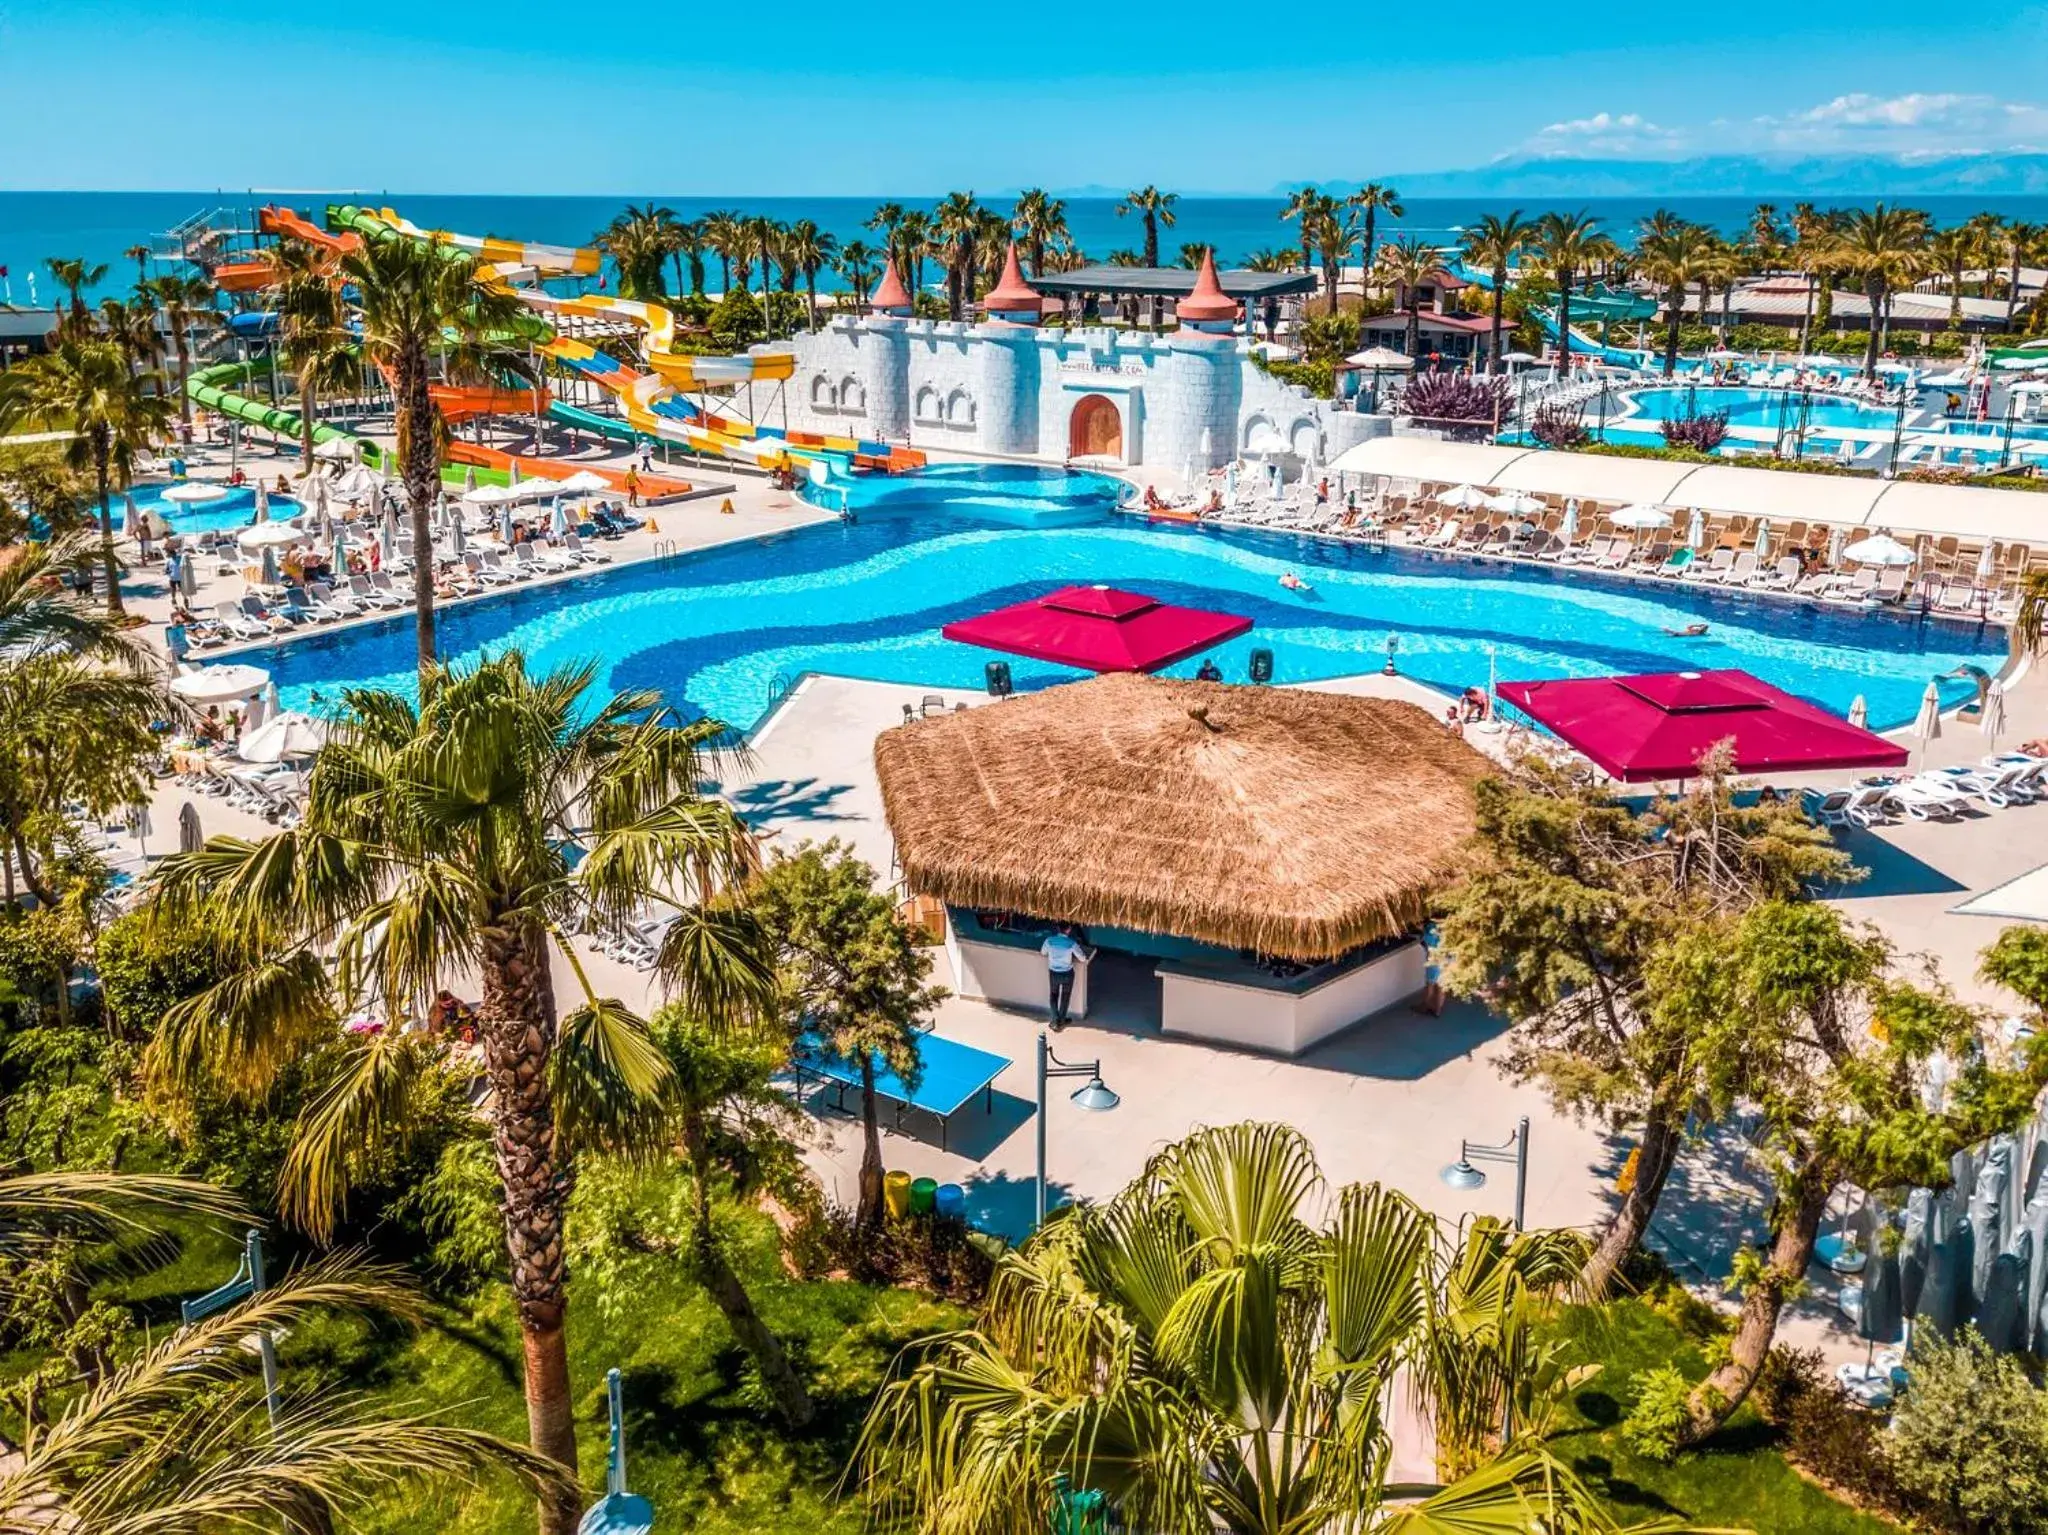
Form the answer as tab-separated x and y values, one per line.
1810	178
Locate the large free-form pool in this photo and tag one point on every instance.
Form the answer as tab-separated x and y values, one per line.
722	631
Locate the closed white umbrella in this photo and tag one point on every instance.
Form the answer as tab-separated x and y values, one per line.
1568	529
387	545
456	535
1463	498
282	737
1763	539
558	520
1696	529
1927	723
1991	719
1837	537
269	565
505	526
468	480
262	504
188	576
512	472
1230	481
1878	549
1987	564
374	506
131	521
1859	713
219	684
1641	517
339	551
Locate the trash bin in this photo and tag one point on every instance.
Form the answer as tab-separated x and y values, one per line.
896	1193
923	1193
951	1201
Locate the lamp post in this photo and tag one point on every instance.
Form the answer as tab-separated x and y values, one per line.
1092	1095
1462	1175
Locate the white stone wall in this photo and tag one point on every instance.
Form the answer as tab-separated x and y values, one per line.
1004	390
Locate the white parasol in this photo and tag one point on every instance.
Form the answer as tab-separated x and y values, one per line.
1640	517
219	684
1987	560
195	493
1878	549
558	520
505	526
336	450
287	735
1464	498
1991	719
1518	503
1695	529
1837	538
1859	712
268	535
1763	539
1927	723
262	504
583	482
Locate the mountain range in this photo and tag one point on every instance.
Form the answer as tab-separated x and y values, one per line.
1809	179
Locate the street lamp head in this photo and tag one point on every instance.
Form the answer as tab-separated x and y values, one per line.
1095	1095
1461	1174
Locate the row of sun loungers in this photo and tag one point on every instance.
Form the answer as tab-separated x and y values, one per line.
1939	794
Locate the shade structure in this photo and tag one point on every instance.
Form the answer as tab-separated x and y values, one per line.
1879	549
269	535
1294	822
219	684
583	482
195	493
289	735
1656	726
1100	629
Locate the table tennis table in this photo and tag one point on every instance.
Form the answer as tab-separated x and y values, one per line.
953	1074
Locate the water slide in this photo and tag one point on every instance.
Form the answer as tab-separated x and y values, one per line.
1585	345
653	404
253	276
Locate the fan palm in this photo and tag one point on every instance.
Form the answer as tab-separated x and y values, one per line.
1406	265
1155	208
764	237
1887	247
2030	623
37	613
1272	261
1040	221
1813	251
187	303
917	235
812	250
132	326
410	294
1308	207
85	385
313	337
1371	200
1493	245
1566	243
640	241
177	1441
725	237
1203	1358
858	266
1336	232
139	254
2019	238
75	274
441	837
687	243
956	226
1953	251
1671	252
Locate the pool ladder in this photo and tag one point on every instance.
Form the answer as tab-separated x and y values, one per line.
664	548
779	688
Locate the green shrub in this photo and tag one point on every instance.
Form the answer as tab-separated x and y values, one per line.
1656	1413
1971	1436
144	969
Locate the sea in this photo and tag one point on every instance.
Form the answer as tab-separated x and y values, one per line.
102	226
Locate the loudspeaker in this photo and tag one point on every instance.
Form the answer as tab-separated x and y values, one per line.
998	674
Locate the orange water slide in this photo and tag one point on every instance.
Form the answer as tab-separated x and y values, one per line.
653	487
253	276
464	404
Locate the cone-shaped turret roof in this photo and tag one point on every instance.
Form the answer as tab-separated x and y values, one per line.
1013	295
890	294
1208	304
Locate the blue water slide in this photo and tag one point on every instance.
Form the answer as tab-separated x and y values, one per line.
1585	346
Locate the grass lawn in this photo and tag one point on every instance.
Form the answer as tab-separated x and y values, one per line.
1739	1479
701	1442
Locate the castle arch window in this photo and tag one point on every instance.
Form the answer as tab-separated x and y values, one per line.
1302	437
1258	426
928	407
821	393
852	397
959	408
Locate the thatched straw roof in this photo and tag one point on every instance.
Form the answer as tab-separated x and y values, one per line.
1298	823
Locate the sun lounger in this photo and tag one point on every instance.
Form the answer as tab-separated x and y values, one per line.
495	563
1443	536
584	552
1716	567
1891	585
238	624
326	596
1927	799
380	581
359	588
1781	577
296	601
489	575
1996	786
1739	571
1857	805
1679	563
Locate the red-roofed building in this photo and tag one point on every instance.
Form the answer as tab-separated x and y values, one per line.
891	297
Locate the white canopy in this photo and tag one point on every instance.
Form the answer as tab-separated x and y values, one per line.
1463	498
1878	549
336	450
290	734
1518	503
1267	443
499	495
270	535
1382	358
1641	517
195	492
219	684
582	481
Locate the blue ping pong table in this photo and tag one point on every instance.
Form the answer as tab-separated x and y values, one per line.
952	1075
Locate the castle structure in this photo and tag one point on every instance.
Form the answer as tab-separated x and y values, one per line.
1009	385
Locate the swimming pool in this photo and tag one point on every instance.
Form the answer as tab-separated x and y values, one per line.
1015	495
1769	410
724	631
236	509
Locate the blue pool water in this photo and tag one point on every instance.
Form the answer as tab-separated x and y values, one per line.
1015	495
718	632
237	509
1769	409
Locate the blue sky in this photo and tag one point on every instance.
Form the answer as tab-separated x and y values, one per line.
806	98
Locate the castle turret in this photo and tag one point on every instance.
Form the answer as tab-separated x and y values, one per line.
1208	309
1008	359
1013	301
885	358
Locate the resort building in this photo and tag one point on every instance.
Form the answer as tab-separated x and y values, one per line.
1011	386
1445	332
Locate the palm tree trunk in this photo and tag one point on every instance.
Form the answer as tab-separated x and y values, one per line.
2012	292
1414	336
811	293
1365	273
730	1295
868	1213
1657	1152
184	355
1493	354
1564	325
308	405
1715	1399
518	1025
101	453
1873	298
1806	319
1676	300
419	464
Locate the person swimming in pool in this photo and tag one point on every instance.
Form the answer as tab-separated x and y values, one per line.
1294	583
1689	632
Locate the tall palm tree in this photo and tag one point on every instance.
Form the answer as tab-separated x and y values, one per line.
84	385
955	227
313	337
725	236
1765	236
1040	221
1493	245
410	294
1406	265
1155	208
812	249
687	243
75	274
133	327
1565	243
1271	260
1813	240
1887	247
1336	232
764	241
1670	252
139	254
1204	1358
858	265
917	243
187	300
1307	207
437	837
1952	252
2019	239
887	221
1371	200
640	241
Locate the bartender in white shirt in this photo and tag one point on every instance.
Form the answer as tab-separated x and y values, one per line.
1062	951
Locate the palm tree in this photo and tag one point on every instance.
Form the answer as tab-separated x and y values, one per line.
132	327
438	837
1309	207
2019	239
177	1440
187	300
1813	239
1493	245
410	295
688	243
2030	622
1953	251
1765	236
1564	243
1040	221
1127	305
1336	232
859	266
887	221
75	275
811	249
1202	1357
84	385
1887	247
917	237
640	241
762	238
1271	260
1372	200
1670	252
313	337
1155	208
956	225
139	254
1406	265
724	234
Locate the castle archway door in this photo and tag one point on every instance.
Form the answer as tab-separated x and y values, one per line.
1096	429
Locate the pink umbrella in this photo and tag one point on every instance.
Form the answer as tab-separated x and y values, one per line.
1100	629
